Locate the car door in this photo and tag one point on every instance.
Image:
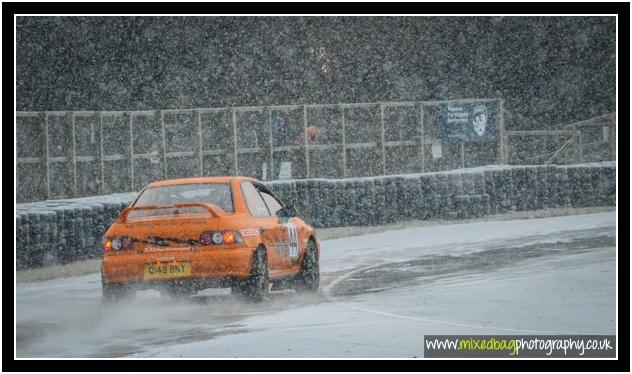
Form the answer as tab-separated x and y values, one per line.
289	244
268	225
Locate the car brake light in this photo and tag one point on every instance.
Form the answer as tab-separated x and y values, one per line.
206	238
127	243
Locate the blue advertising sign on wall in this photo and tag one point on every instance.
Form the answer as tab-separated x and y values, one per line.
468	121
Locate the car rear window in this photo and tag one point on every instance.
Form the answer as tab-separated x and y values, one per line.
205	193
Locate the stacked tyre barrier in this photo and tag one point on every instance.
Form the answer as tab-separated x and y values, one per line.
62	231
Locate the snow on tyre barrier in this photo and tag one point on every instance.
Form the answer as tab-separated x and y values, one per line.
379	199
430	201
62	231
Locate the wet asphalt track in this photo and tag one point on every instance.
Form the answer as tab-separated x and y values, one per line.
552	281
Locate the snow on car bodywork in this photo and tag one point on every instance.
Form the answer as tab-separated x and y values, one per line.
183	235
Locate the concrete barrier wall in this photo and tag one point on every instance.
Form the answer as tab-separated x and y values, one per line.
62	231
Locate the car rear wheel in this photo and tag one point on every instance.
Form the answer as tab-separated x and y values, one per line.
308	279
255	288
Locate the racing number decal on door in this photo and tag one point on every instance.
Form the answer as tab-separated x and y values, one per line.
293	236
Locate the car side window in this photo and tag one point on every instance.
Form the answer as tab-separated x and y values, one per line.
254	201
273	204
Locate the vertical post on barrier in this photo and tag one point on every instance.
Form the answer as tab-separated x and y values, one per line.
131	149
462	154
164	144
270	171
382	139
235	142
306	140
579	146
576	143
199	128
73	155
502	135
102	189
421	145
46	155
344	146
613	142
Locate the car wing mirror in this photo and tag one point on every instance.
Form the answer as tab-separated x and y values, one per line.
286	213
292	211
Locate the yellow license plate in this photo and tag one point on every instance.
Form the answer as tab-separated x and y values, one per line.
169	270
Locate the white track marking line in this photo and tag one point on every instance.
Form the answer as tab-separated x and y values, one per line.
327	293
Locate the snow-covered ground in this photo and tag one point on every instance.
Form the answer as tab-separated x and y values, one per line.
380	294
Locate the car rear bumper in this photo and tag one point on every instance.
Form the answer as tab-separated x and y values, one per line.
211	264
184	285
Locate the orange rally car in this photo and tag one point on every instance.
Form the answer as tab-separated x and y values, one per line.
183	235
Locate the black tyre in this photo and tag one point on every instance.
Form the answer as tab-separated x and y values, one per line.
238	288
308	279
255	288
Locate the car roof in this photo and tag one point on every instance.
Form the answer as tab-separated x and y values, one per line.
224	179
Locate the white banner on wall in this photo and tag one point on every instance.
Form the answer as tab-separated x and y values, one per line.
437	152
286	170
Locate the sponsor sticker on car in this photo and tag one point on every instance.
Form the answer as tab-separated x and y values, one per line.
249	232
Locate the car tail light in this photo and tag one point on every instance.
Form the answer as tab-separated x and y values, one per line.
119	243
127	243
206	238
229	237
220	237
